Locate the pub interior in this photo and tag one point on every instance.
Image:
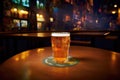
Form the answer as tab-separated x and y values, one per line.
27	24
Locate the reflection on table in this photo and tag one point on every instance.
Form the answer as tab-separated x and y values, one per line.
95	64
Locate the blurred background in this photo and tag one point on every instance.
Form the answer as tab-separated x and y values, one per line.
56	15
27	24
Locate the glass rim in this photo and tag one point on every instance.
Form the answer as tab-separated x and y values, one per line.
60	34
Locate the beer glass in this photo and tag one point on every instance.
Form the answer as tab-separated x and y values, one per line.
60	46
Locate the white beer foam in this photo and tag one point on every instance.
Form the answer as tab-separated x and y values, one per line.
59	34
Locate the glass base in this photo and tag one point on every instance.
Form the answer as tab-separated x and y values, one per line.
71	61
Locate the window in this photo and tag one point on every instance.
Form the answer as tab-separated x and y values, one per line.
23	23
25	3
40	4
16	22
20	23
16	1
21	2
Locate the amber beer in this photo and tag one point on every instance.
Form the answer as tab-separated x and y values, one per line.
60	46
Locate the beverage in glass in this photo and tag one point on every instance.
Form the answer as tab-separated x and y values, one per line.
60	46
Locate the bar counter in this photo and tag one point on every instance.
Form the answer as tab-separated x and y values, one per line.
12	43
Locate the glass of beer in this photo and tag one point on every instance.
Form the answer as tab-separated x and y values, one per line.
60	46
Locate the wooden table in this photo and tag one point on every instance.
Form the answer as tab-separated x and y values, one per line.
95	64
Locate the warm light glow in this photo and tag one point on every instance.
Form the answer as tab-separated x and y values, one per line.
40	34
114	56
113	61
51	19
113	12
107	33
26	12
40	17
39	25
37	15
22	56
79	22
115	5
40	50
24	34
17	59
20	11
14	9
119	10
119	13
23	12
96	21
67	18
